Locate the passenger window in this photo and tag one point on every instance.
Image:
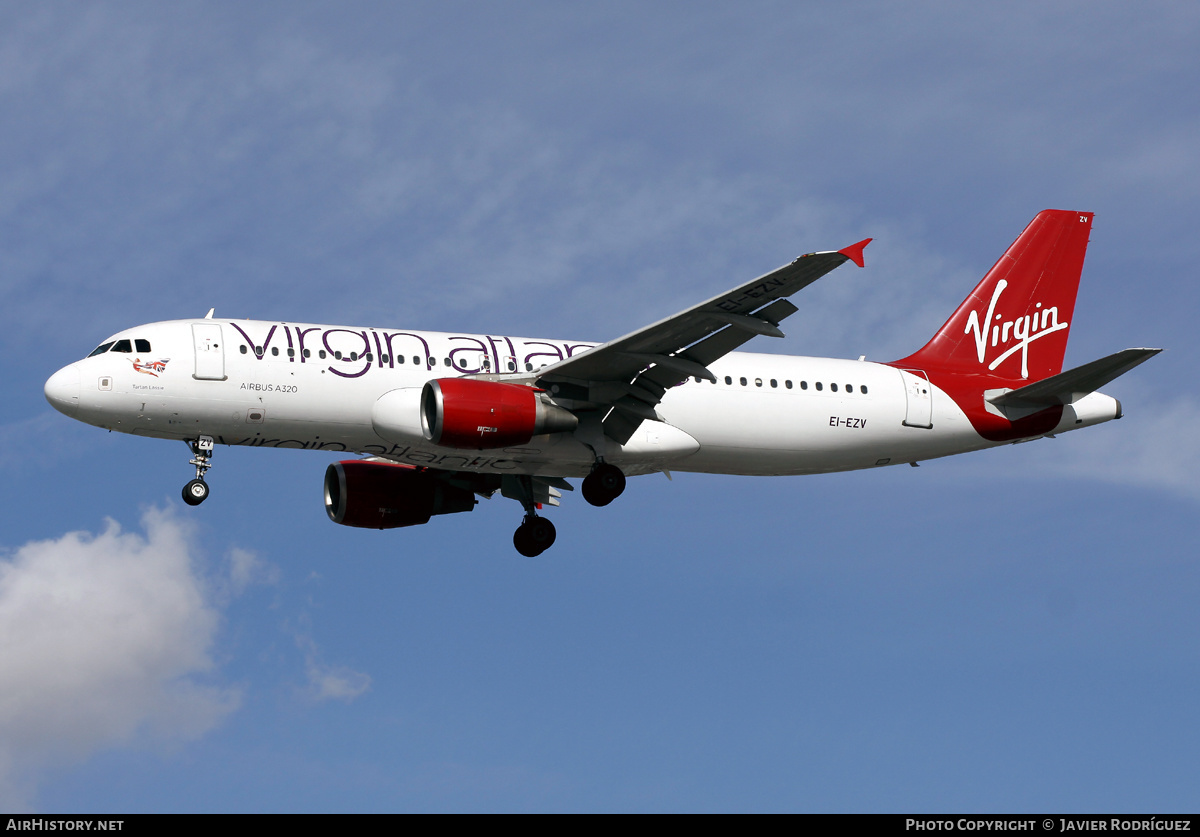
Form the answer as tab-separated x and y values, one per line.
849	387
416	361
864	390
819	387
384	359
308	352
743	380
698	380
354	355
804	385
528	367
274	351
399	358
832	387
123	346
774	384
291	352
142	345
337	355
512	366
101	349
728	381
446	362
258	350
321	354
787	384
758	382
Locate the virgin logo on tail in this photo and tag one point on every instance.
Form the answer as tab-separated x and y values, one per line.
1024	330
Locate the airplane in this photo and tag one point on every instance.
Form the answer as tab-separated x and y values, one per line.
441	419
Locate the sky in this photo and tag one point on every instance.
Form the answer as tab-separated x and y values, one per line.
1011	630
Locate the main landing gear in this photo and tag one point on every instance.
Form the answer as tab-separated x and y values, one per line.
196	491
604	484
534	536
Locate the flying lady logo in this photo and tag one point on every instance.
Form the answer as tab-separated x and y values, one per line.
153	367
1024	330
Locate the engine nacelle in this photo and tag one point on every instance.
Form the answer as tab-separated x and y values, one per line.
473	414
396	416
382	495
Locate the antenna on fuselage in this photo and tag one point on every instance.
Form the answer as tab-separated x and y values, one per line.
209	315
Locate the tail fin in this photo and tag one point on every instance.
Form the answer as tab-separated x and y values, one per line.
1014	325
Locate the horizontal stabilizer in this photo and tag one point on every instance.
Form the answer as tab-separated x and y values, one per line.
1068	387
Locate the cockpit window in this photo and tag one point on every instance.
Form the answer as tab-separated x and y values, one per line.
101	349
142	345
123	346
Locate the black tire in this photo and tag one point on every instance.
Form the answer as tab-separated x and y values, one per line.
524	543
195	492
603	485
541	533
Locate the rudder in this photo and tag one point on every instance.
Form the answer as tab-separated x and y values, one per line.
1015	324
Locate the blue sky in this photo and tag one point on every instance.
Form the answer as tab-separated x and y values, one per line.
1010	630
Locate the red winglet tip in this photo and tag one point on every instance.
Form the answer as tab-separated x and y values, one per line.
855	251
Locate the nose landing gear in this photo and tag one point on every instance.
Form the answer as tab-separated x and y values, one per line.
196	491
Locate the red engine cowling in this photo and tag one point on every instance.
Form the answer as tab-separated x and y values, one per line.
382	495
474	414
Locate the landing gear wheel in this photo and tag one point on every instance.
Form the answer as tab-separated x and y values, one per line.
195	492
534	536
523	544
541	533
603	485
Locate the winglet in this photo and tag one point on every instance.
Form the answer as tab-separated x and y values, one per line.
855	251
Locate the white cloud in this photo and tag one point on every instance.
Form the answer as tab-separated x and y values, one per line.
337	683
327	682
246	568
1155	446
102	642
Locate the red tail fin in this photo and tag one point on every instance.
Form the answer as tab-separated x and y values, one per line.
1014	325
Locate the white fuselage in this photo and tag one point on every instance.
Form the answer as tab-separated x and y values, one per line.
313	387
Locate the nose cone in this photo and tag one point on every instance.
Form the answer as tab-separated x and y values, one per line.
62	390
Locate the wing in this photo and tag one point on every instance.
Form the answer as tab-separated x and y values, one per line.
627	377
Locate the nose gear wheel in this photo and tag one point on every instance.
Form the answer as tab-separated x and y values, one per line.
196	491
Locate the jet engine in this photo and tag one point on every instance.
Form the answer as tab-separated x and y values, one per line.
473	414
383	495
